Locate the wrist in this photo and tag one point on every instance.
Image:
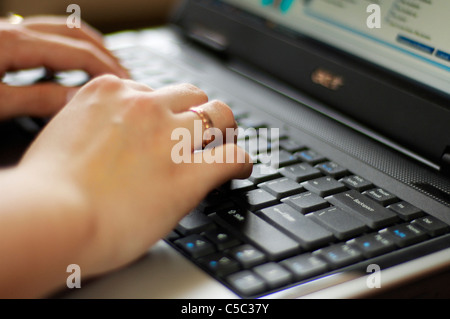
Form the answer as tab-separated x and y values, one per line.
48	226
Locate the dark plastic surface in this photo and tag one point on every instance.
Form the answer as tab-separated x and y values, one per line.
381	100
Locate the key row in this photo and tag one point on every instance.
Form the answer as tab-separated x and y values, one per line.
307	218
238	262
377	206
280	231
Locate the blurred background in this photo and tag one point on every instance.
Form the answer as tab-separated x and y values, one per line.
105	15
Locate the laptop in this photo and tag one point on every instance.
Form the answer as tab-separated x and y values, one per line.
354	200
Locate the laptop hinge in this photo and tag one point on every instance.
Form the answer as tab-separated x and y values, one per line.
445	162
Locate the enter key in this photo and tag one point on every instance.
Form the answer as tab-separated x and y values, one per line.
370	212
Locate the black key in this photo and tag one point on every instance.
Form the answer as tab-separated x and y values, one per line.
405	234
236	185
305	266
332	169
273	274
433	226
252	146
309	234
221	239
252	122
247	134
278	159
357	183
212	201
324	186
247	283
259	233
256	199
340	255
342	224
195	245
282	187
373	245
406	211
306	202
362	207
272	135
381	196
220	264
248	256
262	173
172	236
310	156
194	223
291	146
265	146
239	113
300	172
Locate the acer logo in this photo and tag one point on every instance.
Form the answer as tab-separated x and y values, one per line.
327	79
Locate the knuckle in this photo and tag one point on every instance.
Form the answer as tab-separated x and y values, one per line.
107	82
224	110
192	89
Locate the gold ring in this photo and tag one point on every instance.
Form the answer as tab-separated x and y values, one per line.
206	122
14	18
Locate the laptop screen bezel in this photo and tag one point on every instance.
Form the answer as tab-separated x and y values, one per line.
406	111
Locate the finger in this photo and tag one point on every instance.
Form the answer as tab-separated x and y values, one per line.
221	119
58	25
41	100
33	49
214	167
181	97
138	86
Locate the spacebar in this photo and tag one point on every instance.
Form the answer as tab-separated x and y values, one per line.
257	232
363	208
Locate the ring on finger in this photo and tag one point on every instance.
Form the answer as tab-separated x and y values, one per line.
207	124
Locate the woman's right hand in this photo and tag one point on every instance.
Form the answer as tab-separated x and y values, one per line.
112	145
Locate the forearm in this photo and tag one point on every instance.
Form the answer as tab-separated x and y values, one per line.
42	231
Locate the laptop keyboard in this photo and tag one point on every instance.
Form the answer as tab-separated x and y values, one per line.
295	223
299	216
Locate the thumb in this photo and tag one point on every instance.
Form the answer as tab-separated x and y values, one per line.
40	100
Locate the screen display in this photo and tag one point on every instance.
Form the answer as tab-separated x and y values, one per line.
410	37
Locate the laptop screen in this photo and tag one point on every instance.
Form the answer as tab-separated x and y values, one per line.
406	36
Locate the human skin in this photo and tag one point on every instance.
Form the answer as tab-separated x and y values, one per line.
48	42
98	186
